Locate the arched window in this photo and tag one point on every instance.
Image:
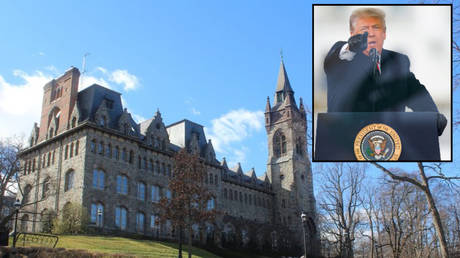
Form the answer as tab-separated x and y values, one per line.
24	222
155	194
121	217
69	180
279	144
140	221
49	159
117	153
97	214
26	195
74	122
98	179
141	191
210	205
122	184
66	152
299	146
45	187
76	148
131	156
100	148
124	155
71	150
216	180
139	162
225	193
92	146
108	150
211	180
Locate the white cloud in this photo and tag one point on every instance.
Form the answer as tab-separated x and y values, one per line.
232	128
123	77
86	81
21	103
41	54
195	111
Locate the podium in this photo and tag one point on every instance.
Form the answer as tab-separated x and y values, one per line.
337	135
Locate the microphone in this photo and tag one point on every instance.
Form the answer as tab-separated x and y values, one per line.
374	59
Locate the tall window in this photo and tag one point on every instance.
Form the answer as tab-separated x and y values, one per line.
153	222
117	153
71	150
100	148
279	145
98	179
169	170
108	150
76	150
122	184
157	167
210	205
168	194
155	195
225	193
150	164
97	214
124	155
26	195
45	187
49	159
92	146
121	217
131	157
140	219
140	191
69	179
66	152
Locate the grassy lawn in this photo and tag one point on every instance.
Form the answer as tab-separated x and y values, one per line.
120	245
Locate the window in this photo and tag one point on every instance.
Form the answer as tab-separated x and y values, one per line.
117	153
211	181
279	146
46	187
121	217
74	122
108	150
235	195
54	153
151	164
140	191
140	221
163	169
157	166
241	197
124	154
283	203
122	184
298	146
100	148
26	195
76	150
168	170
98	179
66	152
225	193
155	194
230	194
71	150
131	157
44	160
153	222
210	205
144	166
92	146
139	162
216	178
49	159
168	194
245	198
250	199
97	214
69	179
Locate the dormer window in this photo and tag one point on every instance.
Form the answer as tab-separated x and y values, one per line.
279	96
102	121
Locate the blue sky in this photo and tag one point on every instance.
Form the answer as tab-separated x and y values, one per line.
212	62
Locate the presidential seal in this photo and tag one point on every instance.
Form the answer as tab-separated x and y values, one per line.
377	142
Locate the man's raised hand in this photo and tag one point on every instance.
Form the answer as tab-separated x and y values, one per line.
358	42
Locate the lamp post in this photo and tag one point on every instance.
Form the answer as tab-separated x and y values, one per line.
99	217
303	216
17	205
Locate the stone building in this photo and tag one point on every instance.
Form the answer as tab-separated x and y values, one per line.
89	150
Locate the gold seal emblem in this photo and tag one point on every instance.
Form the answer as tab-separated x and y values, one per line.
377	142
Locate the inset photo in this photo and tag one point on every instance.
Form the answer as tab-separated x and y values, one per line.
382	83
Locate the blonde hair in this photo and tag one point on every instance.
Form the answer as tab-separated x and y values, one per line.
367	12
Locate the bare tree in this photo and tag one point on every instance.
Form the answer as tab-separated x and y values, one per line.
189	203
422	182
340	205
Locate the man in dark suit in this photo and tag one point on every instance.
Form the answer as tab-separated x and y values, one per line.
364	77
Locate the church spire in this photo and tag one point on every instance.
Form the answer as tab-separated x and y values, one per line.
283	87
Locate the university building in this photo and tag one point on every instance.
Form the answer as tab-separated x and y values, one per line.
88	150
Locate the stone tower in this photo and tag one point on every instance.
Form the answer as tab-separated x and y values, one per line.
59	98
288	166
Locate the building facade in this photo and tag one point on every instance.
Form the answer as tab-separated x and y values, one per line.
88	150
